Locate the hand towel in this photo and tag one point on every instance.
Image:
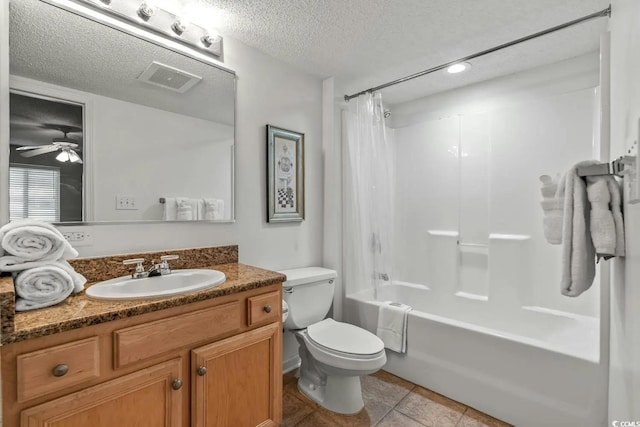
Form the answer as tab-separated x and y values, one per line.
46	285
392	325
170	209
214	209
607	225
199	204
552	210
31	240
578	253
185	211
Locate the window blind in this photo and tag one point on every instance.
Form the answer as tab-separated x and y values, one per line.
34	192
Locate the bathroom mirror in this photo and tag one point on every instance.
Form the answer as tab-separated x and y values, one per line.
105	126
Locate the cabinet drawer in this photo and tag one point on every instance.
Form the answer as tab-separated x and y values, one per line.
55	368
152	339
264	308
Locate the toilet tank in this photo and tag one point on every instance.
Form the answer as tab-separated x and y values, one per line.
309	294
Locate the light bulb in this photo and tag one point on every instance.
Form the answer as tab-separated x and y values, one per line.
73	156
209	39
458	68
146	11
179	26
63	156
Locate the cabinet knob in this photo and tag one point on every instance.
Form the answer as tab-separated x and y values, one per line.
267	309
202	370
176	384
60	370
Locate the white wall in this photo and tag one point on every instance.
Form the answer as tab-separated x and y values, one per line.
268	92
157	154
624	374
476	174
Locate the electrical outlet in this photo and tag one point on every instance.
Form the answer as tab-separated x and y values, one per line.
78	236
126	203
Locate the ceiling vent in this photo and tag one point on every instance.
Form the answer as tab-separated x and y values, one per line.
168	77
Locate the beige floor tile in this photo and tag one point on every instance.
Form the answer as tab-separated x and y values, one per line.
431	409
316	419
385	387
397	419
293	409
473	418
370	415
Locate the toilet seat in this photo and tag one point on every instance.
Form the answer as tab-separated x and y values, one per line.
341	359
344	338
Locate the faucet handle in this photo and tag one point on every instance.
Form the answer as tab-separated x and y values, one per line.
138	261
164	266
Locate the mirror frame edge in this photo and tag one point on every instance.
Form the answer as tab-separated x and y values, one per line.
5	90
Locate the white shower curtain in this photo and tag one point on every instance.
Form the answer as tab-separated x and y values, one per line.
369	176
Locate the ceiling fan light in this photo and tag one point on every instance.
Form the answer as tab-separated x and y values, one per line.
73	157
63	157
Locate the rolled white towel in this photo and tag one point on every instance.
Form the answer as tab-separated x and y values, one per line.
30	240
46	285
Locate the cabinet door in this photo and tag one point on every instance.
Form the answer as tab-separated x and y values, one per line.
238	381
145	398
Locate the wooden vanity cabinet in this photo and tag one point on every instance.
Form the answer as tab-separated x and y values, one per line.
211	363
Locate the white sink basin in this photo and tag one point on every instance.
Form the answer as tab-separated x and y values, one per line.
177	283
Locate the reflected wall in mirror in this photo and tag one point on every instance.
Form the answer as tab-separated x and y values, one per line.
147	124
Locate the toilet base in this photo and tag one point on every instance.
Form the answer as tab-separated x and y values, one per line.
338	394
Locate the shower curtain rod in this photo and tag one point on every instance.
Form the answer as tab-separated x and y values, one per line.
600	14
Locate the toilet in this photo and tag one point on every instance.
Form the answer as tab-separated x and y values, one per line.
333	355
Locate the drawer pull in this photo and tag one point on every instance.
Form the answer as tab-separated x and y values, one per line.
202	370
176	384
267	309
60	370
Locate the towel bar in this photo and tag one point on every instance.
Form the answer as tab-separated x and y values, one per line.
616	167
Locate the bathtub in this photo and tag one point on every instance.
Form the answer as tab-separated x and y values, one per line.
529	366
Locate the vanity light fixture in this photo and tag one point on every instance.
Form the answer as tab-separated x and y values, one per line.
458	68
145	11
152	19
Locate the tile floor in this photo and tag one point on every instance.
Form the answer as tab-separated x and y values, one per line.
389	402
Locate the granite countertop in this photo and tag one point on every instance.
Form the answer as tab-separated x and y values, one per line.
78	311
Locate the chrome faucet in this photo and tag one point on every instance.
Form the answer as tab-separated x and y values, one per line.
156	269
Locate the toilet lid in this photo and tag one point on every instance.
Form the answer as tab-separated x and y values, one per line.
344	337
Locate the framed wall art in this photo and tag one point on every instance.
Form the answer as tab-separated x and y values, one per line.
285	175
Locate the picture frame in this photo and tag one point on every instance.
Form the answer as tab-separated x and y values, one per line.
285	175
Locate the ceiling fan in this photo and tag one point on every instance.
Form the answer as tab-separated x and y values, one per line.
65	145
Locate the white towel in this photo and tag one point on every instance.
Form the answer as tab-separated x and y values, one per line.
185	211
392	325
552	210
30	240
607	225
578	253
170	209
214	209
46	285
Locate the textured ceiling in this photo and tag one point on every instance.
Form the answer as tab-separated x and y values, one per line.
55	46
364	43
